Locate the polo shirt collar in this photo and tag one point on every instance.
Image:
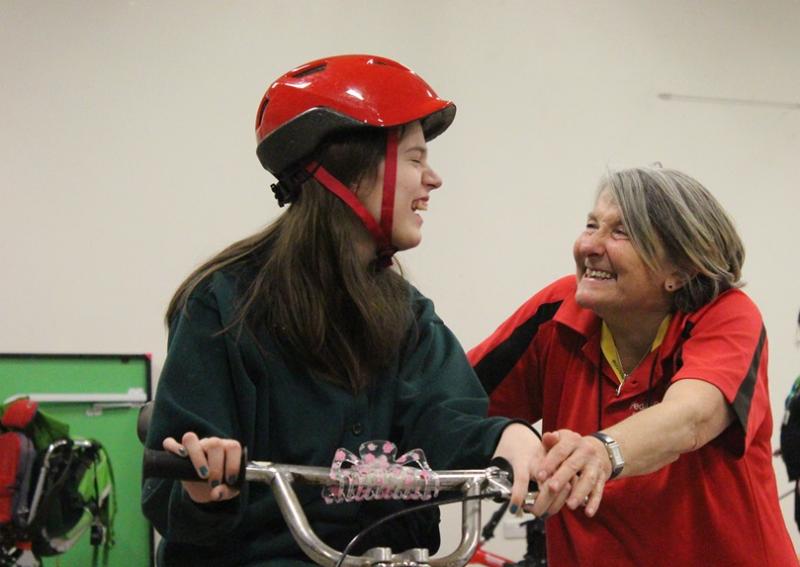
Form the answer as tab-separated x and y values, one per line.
582	321
587	324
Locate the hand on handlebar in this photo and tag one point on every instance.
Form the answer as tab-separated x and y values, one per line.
526	453
217	462
474	485
576	464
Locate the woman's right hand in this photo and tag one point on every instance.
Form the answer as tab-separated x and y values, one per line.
579	460
214	459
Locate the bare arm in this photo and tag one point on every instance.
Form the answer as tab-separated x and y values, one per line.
692	413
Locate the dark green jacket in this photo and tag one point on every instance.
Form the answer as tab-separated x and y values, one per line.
220	385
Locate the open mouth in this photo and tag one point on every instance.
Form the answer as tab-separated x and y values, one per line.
599	274
419	205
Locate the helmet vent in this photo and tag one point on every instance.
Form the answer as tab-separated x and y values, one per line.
260	113
384	62
310	71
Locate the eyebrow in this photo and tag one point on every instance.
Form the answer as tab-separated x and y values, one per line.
422	149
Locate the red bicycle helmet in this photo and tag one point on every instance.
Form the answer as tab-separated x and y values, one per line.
346	91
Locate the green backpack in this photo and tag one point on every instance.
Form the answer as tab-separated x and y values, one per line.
71	489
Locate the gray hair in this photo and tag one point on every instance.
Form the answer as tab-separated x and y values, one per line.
671	216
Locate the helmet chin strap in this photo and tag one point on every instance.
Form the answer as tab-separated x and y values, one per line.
382	233
389	185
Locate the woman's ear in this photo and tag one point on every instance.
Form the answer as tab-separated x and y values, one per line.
676	280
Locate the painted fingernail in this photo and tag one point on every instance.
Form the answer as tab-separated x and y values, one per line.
232	479
513	509
203	471
182	451
214	483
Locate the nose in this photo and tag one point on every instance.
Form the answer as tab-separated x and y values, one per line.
591	243
431	179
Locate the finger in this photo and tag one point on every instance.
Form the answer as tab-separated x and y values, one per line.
543	502
215	455
557	454
196	453
569	468
171	445
233	460
519	489
224	492
559	500
549	439
593	504
199	491
584	486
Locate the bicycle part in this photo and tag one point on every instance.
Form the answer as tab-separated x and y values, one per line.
490	482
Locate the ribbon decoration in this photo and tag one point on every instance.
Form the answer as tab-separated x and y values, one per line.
375	474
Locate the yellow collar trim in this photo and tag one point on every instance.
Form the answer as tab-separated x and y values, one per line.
610	348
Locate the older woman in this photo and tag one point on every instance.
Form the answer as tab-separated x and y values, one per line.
649	371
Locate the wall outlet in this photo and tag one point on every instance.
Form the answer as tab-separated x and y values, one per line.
513	528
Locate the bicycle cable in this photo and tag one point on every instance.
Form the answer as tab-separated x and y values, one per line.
393	515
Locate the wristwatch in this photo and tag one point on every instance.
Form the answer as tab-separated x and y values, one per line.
614	453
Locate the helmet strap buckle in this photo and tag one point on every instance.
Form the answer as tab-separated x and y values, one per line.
288	186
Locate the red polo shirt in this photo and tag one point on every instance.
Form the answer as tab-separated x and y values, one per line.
714	506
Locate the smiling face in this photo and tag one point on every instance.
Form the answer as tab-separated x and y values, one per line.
613	280
415	181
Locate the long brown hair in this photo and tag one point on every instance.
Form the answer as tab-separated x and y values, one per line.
310	290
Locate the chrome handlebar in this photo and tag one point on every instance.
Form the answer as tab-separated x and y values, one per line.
492	482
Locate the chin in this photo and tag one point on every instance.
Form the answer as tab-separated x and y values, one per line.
408	242
583	298
583	301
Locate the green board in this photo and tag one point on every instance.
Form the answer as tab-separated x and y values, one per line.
112	379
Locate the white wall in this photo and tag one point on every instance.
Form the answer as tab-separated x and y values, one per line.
127	148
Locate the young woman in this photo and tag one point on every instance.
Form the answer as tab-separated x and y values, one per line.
303	338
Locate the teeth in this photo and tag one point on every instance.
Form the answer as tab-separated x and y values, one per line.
598	274
419	205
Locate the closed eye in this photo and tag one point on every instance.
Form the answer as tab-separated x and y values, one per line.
417	154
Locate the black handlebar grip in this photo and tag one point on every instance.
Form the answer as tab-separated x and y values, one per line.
163	464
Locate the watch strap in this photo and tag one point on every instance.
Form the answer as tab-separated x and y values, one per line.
614	453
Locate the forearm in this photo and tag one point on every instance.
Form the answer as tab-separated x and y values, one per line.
654	438
692	414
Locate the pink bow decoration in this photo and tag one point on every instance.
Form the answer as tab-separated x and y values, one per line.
377	475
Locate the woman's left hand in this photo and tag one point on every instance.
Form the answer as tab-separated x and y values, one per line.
579	461
524	450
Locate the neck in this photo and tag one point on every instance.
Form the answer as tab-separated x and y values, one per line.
633	338
364	245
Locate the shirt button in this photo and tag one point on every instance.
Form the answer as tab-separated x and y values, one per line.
357	429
